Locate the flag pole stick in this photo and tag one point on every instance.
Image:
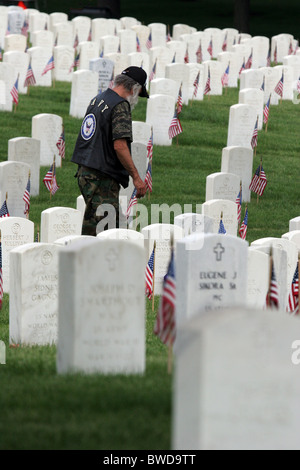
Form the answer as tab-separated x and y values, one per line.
154	247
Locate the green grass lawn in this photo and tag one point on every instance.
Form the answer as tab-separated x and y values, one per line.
41	410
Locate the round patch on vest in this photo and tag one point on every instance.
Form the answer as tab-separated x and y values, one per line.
88	127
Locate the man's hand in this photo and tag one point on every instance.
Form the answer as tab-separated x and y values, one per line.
140	186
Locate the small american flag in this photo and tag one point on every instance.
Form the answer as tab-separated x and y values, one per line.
90	35
244	226
50	180
259	181
61	144
207	85
75	63
1	275
76	41
133	200
199	54
153	72
224	45
239	205
175	126
49	65
275	54
279	87
186	56
225	77
242	67
254	135
293	300
272	295
149	273
26	197
222	229
210	48
269	58
149	41
101	53
138	45
4	210
249	61
30	78
15	91
179	100
150	147
112	78
196	84
291	51
24	30
165	325
148	178
267	110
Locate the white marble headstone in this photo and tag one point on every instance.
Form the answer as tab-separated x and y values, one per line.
102	325
57	222
33	306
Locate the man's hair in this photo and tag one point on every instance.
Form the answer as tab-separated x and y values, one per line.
125	81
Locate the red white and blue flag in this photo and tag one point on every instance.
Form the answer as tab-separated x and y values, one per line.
293	300
259	181
165	325
30	78
244	226
149	273
49	65
26	197
279	87
272	300
15	92
133	200
175	126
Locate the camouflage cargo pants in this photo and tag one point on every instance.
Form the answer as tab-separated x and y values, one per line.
98	189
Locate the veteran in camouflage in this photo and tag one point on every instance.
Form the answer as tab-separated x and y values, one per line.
102	150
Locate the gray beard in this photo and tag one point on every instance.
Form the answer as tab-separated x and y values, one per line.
133	100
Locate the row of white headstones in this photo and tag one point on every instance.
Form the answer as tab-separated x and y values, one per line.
87	295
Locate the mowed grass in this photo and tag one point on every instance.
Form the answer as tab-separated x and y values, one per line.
43	410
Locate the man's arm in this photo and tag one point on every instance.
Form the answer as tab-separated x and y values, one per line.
123	154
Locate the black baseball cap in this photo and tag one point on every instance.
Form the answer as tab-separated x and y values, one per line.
139	75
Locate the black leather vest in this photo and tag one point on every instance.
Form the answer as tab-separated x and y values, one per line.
94	145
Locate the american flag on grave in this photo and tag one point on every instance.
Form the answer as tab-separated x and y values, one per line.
244	226
179	100
225	77
150	146
50	180
224	45
259	181
210	48
61	144
149	273
293	299
49	65
279	87
267	110
199	54
272	295
4	210
254	135
30	78
148	177
165	325
196	84
239	205
133	200
175	126
15	92
207	88
149	41
26	197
